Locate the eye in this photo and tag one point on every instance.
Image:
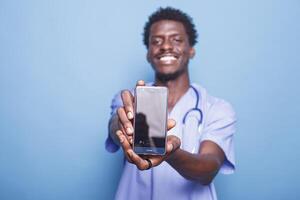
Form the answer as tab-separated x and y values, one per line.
177	40
156	41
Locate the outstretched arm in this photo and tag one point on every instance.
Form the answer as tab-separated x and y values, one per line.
201	167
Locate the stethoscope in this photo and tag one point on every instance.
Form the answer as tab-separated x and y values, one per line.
191	137
196	110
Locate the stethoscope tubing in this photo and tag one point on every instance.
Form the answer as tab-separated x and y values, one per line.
196	108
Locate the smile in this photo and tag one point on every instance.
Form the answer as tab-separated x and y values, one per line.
167	58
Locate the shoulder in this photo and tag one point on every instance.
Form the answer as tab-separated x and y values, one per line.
214	105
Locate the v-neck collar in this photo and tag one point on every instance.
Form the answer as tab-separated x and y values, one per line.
179	101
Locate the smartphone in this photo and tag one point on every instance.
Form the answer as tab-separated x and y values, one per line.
150	121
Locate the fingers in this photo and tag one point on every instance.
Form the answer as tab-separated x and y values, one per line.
141	163
140	83
127	99
130	155
171	124
125	145
173	143
126	113
126	125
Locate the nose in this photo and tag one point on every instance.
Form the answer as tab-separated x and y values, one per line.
167	45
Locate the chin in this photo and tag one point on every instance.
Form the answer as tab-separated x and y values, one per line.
166	69
166	76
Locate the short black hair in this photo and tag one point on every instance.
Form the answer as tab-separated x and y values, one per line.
173	14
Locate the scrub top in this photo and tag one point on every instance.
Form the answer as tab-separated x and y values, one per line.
162	182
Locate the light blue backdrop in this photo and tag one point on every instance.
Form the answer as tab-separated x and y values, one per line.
62	61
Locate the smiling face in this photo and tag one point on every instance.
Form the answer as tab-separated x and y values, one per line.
169	49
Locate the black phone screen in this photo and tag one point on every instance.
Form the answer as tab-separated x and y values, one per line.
150	120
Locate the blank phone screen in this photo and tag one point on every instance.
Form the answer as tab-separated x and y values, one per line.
150	120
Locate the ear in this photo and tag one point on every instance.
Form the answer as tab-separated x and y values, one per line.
192	52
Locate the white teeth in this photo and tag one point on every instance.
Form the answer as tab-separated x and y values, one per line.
167	58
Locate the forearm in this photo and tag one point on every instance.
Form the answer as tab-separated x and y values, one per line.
113	127
201	168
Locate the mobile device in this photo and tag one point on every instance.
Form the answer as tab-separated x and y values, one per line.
150	121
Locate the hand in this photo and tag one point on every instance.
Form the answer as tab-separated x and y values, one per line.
125	114
173	143
125	132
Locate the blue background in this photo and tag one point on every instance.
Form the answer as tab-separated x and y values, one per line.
62	61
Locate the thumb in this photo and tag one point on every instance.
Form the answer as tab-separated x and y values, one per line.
140	83
171	124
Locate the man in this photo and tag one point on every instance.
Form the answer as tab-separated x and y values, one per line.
201	142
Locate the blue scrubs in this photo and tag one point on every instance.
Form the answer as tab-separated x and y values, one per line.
163	182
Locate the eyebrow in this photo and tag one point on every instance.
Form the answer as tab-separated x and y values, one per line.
171	35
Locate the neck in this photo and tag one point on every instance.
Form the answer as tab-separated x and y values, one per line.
177	88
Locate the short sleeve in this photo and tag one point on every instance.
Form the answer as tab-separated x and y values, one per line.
116	102
219	128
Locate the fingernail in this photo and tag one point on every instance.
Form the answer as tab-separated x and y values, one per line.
170	147
121	139
118	133
131	140
129	130
130	115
